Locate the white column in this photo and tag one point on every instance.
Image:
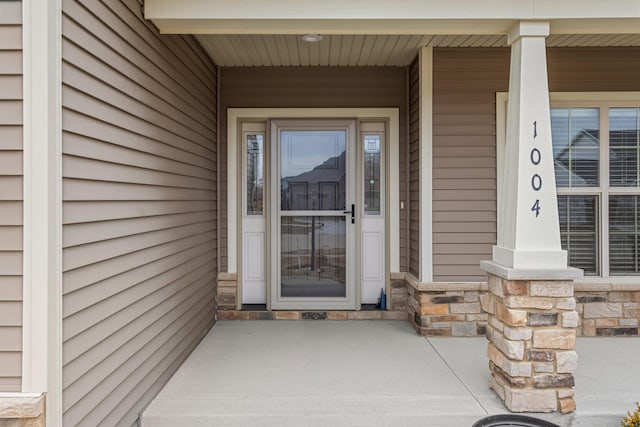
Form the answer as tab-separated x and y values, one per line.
426	164
529	232
42	281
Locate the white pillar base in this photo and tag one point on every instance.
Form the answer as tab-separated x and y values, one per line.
550	259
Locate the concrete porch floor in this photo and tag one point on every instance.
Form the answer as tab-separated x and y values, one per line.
368	373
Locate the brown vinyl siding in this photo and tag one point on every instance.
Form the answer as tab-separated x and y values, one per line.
311	87
414	168
139	208
594	69
464	174
11	190
464	161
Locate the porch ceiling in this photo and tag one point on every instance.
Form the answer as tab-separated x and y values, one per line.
247	50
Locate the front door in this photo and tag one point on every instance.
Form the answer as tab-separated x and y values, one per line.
313	216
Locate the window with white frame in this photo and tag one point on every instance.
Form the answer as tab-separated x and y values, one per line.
596	148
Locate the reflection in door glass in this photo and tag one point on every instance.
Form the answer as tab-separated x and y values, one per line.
371	183
255	174
313	255
312	170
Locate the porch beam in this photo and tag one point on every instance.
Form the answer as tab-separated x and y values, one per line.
405	17
432	10
628	25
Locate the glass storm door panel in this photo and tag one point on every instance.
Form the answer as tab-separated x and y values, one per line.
313	219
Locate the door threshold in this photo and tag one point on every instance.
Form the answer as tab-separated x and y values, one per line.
263	314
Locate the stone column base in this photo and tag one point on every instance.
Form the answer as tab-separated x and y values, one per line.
227	291
532	334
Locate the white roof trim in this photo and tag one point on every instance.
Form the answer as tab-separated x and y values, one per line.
384	17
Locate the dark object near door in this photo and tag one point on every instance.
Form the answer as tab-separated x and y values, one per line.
510	420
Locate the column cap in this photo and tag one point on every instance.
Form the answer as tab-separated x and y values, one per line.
527	29
569	273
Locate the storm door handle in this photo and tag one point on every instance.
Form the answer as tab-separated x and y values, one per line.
352	212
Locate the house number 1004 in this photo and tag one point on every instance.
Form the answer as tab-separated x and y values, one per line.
536	180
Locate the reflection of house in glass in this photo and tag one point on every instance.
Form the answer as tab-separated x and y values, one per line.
372	174
623	166
577	163
255	174
322	188
313	247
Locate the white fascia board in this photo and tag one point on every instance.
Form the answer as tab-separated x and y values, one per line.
332	26
399	9
339	9
629	25
404	17
554	9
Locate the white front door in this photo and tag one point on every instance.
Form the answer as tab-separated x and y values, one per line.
313	215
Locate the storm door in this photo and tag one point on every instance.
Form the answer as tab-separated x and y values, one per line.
313	216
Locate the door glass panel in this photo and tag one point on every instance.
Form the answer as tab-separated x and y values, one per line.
312	257
255	174
312	170
371	183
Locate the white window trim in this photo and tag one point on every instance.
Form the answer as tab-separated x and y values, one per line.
233	119
604	101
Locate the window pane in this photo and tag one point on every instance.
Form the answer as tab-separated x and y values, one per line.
576	146
372	174
624	147
579	231
312	170
624	234
313	256
255	174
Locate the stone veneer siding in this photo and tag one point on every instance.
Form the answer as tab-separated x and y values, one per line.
447	309
451	309
608	310
457	309
230	308
532	337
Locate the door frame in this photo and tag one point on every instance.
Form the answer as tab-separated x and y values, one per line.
235	117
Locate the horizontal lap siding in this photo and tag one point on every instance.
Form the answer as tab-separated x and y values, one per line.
464	175
139	211
11	198
594	69
464	160
414	168
312	87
